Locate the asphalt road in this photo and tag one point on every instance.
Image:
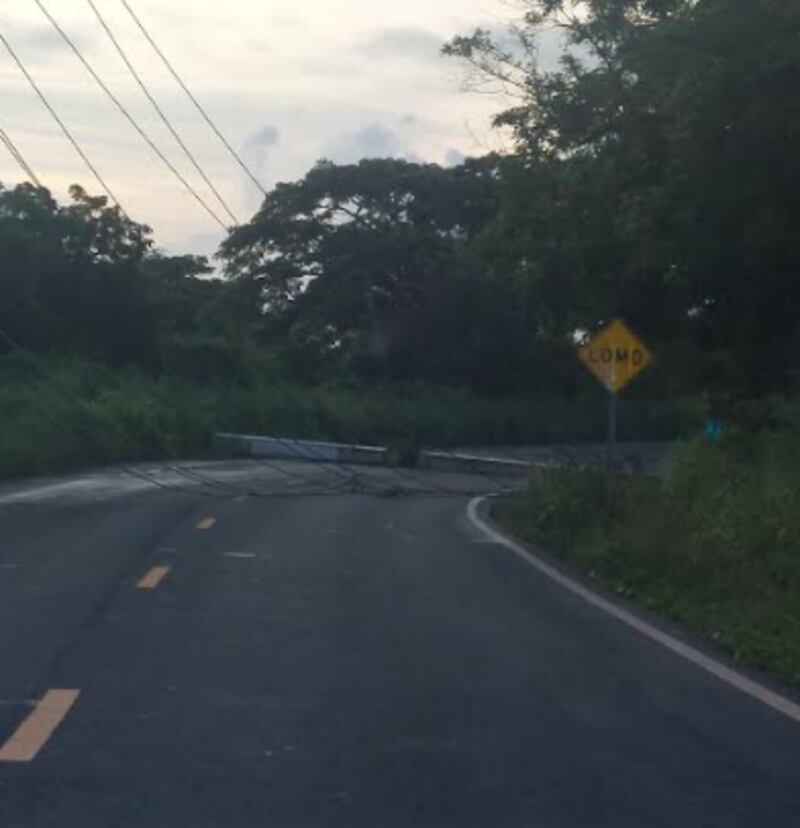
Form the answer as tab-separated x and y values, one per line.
341	658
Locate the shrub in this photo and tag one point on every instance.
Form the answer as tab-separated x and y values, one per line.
715	544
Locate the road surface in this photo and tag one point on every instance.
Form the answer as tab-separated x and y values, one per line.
323	650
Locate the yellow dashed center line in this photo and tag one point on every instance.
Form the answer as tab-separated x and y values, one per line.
153	578
207	523
34	733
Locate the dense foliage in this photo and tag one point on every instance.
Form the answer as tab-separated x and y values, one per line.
70	413
85	279
657	176
654	177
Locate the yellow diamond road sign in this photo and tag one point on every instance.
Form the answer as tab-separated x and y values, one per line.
615	356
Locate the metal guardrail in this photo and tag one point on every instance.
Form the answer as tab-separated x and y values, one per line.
275	448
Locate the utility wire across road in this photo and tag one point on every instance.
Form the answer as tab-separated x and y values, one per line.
222	488
337	477
352	661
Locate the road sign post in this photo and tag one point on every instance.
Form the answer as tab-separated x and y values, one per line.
615	356
613	415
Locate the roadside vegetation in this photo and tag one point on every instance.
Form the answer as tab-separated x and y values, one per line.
713	544
65	414
651	175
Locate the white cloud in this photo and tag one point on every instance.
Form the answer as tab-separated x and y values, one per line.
42	44
267	136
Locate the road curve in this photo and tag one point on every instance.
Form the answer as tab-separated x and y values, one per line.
340	652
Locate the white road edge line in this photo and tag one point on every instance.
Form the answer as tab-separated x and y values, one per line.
710	665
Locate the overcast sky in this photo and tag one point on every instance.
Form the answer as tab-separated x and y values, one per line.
288	81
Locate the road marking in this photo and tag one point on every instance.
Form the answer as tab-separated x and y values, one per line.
705	662
153	578
34	733
207	523
241	555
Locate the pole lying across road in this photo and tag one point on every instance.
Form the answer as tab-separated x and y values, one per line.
350	660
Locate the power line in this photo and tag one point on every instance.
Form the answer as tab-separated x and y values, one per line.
120	106
222	487
69	136
18	157
48	414
316	488
169	465
206	117
160	111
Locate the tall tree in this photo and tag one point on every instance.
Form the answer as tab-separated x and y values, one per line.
370	266
661	159
83	277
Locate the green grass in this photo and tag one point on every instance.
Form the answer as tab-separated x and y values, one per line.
61	414
83	415
714	545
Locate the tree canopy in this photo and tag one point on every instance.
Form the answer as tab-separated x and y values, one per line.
84	278
661	155
653	176
372	266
